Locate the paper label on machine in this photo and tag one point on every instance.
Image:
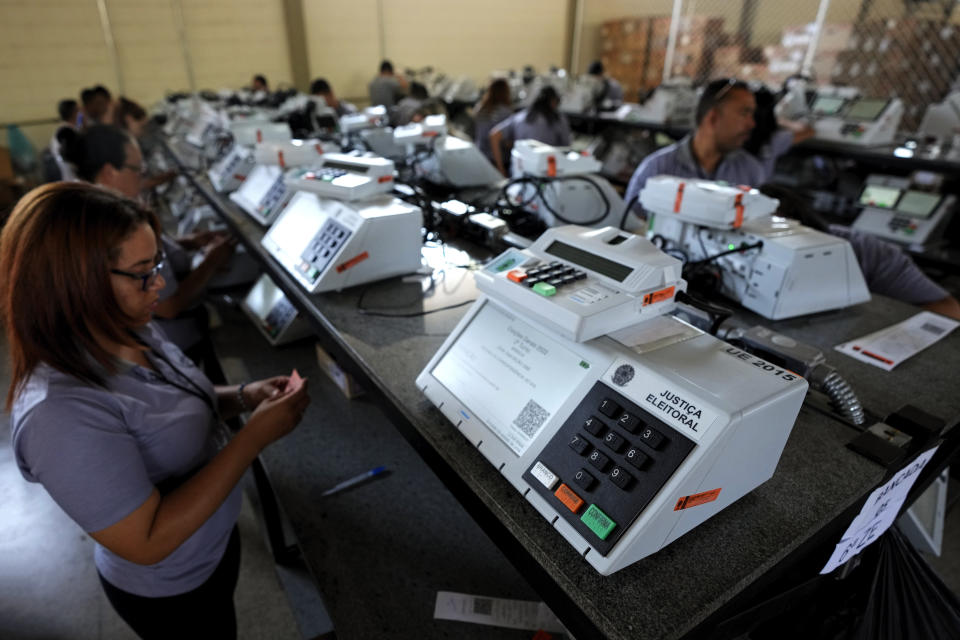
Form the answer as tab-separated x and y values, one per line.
677	407
509	375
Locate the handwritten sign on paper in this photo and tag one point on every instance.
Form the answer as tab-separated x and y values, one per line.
878	513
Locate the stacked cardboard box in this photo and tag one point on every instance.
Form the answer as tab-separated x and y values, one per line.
915	60
623	47
697	38
634	50
786	59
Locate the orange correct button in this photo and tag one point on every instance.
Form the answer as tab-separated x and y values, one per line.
517	275
566	495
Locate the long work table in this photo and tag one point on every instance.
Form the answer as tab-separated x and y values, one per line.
695	582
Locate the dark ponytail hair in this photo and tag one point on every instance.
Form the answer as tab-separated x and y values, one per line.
93	148
542	106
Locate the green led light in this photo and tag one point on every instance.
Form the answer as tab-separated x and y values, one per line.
731	247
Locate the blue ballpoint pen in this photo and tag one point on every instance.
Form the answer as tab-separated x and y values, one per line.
346	484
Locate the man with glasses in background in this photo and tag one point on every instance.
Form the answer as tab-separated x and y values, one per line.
713	150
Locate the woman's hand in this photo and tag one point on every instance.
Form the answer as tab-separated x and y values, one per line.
256	392
277	415
200	239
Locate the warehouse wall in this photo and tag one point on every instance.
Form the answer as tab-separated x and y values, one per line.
459	37
51	49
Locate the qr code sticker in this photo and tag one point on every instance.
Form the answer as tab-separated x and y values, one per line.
531	418
483	606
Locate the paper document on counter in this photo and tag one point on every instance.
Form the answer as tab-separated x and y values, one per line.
889	347
496	612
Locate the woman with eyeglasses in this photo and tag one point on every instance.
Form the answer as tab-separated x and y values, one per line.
110	157
115	422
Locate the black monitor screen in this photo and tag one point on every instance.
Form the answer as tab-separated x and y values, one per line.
827	105
918	204
867	109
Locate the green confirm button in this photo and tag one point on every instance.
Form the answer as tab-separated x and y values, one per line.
545	289
599	522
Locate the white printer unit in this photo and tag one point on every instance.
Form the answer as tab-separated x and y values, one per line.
424	132
796	271
254	131
368	118
904	211
329	245
862	121
459	163
942	119
342	176
566	184
671	103
622	445
292	153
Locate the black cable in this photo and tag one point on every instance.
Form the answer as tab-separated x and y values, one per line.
741	249
626	212
586	223
718	315
416	314
383	314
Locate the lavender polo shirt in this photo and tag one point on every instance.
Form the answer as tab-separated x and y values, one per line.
484	123
737	167
100	453
519	127
888	270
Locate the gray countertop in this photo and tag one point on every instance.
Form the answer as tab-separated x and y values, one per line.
816	480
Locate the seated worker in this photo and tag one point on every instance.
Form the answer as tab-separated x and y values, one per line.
773	137
97	106
321	88
117	425
402	112
109	157
259	83
887	269
541	121
130	116
386	88
495	107
69	112
724	120
611	93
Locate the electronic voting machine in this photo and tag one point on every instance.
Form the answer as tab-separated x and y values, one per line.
328	245
623	426
265	192
861	121
909	211
273	314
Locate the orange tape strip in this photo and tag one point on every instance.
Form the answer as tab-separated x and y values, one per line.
676	203
658	296
283	165
738	206
551	167
696	499
352	262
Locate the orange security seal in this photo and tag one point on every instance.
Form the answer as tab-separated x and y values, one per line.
352	262
696	499
658	296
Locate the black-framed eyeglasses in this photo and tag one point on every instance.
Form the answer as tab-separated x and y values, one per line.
147	279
